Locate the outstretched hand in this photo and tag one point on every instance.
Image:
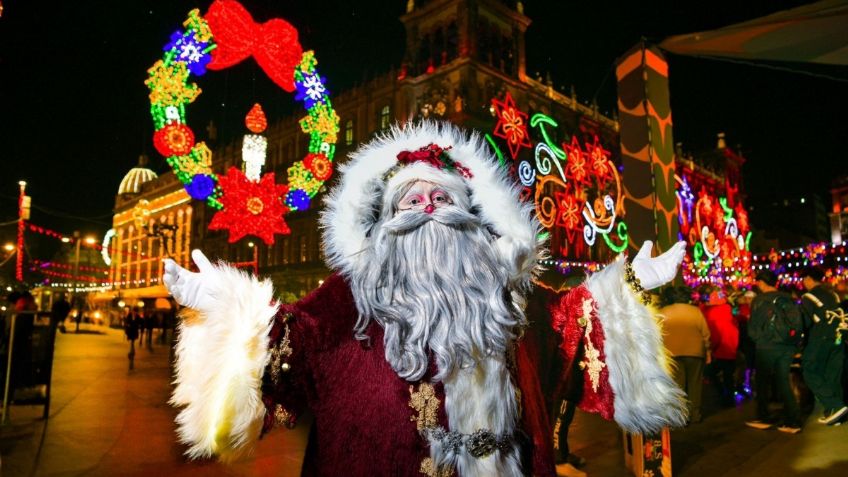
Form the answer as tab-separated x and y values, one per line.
190	289
655	272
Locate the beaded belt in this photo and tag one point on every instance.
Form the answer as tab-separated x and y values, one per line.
479	444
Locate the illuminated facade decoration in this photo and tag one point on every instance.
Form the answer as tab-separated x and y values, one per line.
575	186
713	219
832	258
839	211
146	229
224	37
512	124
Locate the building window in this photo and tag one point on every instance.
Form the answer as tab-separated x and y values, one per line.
385	117
302	249
349	132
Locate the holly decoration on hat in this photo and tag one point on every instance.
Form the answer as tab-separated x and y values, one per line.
251	208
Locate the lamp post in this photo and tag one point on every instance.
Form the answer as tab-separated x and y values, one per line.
77	242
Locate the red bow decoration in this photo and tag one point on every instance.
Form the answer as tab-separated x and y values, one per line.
436	156
273	44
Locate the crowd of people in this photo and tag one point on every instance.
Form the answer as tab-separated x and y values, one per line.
746	343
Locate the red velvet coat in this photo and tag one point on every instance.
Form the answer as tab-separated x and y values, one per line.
364	424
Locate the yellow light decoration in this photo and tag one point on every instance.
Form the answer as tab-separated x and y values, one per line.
141	213
167	84
307	61
322	120
198	162
300	178
201	28
203	159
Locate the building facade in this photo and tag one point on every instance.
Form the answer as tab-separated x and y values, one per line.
152	221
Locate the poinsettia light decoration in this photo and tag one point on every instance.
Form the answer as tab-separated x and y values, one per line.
251	207
512	124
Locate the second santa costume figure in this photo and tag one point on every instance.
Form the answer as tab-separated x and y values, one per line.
410	355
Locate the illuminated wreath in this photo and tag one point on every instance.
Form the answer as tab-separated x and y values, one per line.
225	36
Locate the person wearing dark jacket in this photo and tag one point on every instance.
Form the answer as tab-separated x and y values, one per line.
59	312
824	354
132	323
770	327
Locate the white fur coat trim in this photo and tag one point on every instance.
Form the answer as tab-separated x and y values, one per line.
646	397
221	357
354	205
481	397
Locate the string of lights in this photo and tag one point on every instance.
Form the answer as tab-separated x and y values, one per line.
68	266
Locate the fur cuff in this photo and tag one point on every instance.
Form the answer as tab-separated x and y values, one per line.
646	397
221	356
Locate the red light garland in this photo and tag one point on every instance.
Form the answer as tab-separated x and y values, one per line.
81	278
70	239
68	266
19	259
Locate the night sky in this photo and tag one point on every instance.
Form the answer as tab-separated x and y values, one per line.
75	113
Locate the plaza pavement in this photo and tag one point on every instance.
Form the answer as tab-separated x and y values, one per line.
108	421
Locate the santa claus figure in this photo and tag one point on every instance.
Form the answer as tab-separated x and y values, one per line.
410	355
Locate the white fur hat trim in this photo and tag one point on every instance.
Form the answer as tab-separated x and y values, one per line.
354	204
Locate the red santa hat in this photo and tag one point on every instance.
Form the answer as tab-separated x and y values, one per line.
437	152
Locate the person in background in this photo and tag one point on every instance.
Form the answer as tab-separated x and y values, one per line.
131	328
724	338
59	312
824	354
139	316
160	323
742	311
773	317
150	325
25	302
687	337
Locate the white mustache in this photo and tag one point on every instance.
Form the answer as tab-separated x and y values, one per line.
449	215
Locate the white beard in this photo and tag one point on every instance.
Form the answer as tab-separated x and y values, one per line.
436	287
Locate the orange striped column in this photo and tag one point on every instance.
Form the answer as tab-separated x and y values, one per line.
647	147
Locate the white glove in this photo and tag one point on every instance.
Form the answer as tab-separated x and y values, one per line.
194	290
655	272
